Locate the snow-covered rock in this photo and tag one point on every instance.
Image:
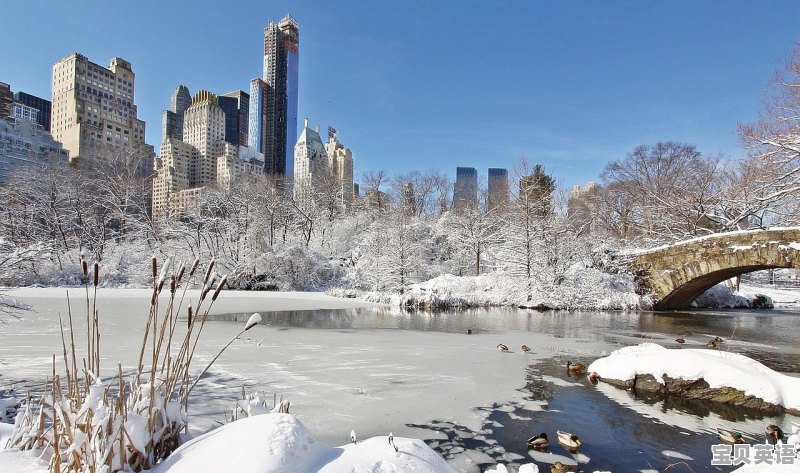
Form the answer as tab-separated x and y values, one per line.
280	443
718	368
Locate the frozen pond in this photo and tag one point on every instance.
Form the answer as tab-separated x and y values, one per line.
420	375
620	431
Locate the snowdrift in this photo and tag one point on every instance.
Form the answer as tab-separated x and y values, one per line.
280	443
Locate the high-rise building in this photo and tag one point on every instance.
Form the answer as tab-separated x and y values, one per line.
185	167
465	191
281	66
256	135
172	119
582	207
24	141
497	188
236	106
310	165
93	109
40	104
6	99
340	160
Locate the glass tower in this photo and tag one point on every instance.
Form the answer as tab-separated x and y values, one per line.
281	67
465	192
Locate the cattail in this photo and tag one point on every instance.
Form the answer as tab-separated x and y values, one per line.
181	271
208	272
163	275
172	284
209	284
96	273
190	316
155	267
85	267
219	287
194	266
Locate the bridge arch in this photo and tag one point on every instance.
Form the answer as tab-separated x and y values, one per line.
676	274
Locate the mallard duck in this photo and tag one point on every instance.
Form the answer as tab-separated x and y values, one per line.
575	367
593	377
712	344
718	339
526	348
539	442
726	436
569	441
558	467
502	347
680	341
469	331
774	433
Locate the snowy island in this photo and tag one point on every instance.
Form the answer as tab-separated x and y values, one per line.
714	375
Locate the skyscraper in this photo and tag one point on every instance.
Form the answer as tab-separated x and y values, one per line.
236	106
172	119
340	159
93	109
310	163
256	135
465	191
202	158
498	188
281	66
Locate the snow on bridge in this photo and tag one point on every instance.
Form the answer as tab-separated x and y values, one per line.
676	274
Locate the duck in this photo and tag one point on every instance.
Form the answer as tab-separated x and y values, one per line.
575	367
680	341
526	348
558	467
593	377
718	339
569	441
502	347
713	344
774	434
539	442
469	331
729	437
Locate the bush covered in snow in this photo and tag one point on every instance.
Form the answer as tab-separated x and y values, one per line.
137	420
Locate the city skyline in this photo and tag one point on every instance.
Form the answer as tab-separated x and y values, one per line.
413	88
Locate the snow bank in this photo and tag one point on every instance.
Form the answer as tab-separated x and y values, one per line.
718	368
281	443
721	297
583	288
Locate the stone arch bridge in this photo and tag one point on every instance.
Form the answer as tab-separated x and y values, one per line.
676	274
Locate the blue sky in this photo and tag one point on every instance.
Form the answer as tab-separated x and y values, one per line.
414	85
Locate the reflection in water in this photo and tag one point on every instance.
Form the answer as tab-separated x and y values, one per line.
772	337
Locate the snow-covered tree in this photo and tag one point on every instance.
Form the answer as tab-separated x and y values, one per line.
769	180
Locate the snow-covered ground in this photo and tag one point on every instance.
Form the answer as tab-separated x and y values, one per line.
781	297
582	289
276	443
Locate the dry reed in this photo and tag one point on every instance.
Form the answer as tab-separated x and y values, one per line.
92	427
